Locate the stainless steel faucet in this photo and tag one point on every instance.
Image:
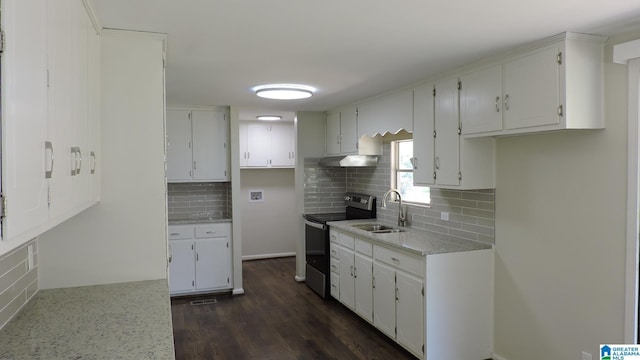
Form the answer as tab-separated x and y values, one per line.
402	209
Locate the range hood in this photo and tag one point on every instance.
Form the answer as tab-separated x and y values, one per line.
349	161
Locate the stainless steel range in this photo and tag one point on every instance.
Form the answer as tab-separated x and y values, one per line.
357	206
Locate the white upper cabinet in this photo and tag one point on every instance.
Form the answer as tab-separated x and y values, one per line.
50	98
179	167
554	86
267	145
210	156
197	148
423	135
481	100
341	136
532	89
442	158
447	138
333	133
387	114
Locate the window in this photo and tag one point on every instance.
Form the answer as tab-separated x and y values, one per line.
402	173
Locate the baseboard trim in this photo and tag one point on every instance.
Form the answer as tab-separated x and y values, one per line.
299	278
238	291
267	256
495	356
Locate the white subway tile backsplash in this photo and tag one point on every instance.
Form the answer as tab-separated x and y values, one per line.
17	283
471	212
199	201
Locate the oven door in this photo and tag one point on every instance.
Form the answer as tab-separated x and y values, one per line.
316	238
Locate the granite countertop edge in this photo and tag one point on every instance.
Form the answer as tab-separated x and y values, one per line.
413	240
198	221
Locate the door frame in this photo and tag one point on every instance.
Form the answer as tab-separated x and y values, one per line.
629	53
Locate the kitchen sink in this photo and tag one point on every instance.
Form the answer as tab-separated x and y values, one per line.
377	228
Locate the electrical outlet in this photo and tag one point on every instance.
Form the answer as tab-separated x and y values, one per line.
444	216
586	356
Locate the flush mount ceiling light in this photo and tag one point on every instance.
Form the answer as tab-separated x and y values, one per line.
284	91
269	117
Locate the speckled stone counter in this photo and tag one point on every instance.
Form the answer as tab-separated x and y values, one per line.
118	321
412	240
197	221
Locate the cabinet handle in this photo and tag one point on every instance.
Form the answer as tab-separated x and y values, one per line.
351	270
195	165
211	232
355	272
437	162
48	146
197	257
560	111
414	162
93	162
506	102
175	234
334	268
395	260
74	161
170	259
79	160
497	103
397	297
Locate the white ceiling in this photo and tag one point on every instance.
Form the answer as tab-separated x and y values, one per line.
349	50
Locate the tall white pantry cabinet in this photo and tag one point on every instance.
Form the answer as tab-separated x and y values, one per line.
50	115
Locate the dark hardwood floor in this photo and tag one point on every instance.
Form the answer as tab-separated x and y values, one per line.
277	318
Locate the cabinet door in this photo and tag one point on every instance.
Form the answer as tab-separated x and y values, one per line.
94	114
182	271
423	141
242	142
80	109
410	312
209	131
179	145
213	263
24	118
384	299
481	101
282	144
348	130
347	286
447	151
532	89
61	103
333	133
258	145
364	287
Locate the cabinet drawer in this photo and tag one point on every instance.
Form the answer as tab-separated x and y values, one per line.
180	232
406	262
364	247
347	240
335	289
333	250
213	230
333	237
335	266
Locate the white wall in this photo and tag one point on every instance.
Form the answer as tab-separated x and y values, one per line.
124	237
269	227
560	236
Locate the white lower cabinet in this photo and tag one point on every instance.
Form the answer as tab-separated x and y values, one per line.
398	297
438	306
199	258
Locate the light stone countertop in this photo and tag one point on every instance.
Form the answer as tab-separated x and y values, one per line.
198	221
412	240
117	321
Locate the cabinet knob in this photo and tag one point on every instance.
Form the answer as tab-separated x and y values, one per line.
497	103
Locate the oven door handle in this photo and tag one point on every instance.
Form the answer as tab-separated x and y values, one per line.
315	225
